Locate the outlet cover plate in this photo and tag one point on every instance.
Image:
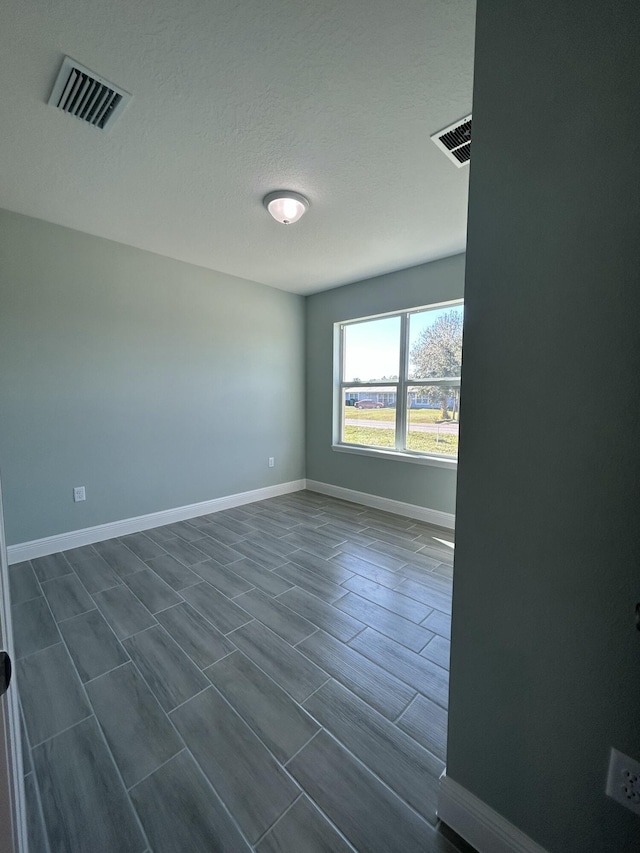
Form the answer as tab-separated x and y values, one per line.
79	494
623	780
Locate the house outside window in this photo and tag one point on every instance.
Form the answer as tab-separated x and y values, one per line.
398	383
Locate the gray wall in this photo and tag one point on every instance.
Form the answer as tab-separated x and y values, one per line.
403	481
151	382
545	655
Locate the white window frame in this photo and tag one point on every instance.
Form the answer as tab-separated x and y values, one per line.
399	453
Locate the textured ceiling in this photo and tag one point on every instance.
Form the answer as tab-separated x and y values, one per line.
231	99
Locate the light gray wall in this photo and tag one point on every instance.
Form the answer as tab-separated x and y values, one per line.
403	481
545	656
153	383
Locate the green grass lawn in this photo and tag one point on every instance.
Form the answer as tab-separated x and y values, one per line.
416	416
422	441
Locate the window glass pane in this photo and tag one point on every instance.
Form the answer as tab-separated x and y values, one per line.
435	343
433	413
369	416
372	350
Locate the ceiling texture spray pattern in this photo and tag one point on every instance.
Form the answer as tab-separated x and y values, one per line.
233	99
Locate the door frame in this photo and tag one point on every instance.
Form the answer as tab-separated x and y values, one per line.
10	711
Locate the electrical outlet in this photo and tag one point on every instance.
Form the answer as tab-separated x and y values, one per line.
272	462
623	780
79	494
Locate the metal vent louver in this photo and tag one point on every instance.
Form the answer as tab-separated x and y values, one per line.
455	141
85	95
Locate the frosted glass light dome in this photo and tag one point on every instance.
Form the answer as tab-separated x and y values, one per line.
285	206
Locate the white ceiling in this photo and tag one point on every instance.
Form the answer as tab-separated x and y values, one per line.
231	99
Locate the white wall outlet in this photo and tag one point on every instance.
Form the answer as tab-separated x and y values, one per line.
79	494
272	462
623	780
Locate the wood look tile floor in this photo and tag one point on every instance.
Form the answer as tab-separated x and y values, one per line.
271	678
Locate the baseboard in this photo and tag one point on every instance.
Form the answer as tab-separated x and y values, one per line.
431	516
479	824
89	535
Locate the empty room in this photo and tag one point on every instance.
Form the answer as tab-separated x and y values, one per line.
316	532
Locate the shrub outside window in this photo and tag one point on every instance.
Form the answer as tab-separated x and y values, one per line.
399	382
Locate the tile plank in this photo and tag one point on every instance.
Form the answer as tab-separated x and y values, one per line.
51	693
427	593
396	538
419	673
123	611
222	578
372	817
170	674
51	566
366	679
332	569
138	732
439	623
23	583
259	555
250	782
314	538
172	572
389	599
270	528
294	672
298	539
92	645
311	581
438	650
426	722
142	546
397	627
159	535
184	530
259	577
195	635
374	573
186	552
218	551
151	590
83	799
406	555
367	553
67	597
119	557
35	824
303	828
409	770
228	519
422	574
92	570
219	533
340	625
280	723
33	627
216	607
180	811
272	613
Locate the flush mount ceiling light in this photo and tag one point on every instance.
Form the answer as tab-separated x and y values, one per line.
286	206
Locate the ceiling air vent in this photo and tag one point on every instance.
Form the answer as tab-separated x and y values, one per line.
87	96
455	141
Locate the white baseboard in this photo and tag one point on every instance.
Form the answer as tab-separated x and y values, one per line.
431	516
479	824
89	535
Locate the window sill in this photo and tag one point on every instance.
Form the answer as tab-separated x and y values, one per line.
397	455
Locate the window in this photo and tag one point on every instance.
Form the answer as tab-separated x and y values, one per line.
398	383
